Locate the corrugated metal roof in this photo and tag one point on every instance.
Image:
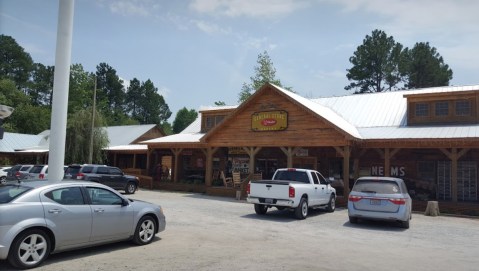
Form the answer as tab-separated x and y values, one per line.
132	147
125	135
14	141
177	138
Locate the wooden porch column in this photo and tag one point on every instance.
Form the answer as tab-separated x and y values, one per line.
252	151
289	151
148	161
134	160
176	152
209	152
454	156
345	152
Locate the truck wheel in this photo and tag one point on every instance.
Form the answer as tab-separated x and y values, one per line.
332	204
301	212
260	209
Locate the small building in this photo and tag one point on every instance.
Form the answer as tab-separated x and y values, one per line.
429	137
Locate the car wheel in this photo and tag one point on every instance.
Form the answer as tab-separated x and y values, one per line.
301	212
3	180
130	188
332	204
405	224
145	231
353	220
29	249
260	209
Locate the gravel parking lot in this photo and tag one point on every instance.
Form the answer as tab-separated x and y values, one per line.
215	233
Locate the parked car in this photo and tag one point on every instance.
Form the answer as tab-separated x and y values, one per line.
39	172
18	172
3	174
380	198
42	217
108	175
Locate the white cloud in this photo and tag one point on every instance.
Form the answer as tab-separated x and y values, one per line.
210	28
141	8
248	8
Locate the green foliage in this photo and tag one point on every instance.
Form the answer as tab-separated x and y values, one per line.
167	128
375	64
10	95
82	84
41	88
30	119
425	67
184	117
381	64
220	103
15	63
79	131
264	73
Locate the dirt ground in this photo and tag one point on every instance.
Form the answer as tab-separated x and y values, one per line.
215	233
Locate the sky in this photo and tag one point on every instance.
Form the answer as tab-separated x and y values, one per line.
197	52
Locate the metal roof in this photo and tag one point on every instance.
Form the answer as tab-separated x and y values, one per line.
125	135
14	141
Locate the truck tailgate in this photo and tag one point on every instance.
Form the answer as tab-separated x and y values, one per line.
268	189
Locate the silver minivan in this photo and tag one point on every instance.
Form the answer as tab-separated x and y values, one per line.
380	198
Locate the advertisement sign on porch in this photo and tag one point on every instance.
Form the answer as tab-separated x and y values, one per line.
269	121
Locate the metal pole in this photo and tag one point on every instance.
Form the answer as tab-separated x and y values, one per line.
90	157
56	158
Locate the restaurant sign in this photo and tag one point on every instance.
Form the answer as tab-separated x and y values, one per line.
269	121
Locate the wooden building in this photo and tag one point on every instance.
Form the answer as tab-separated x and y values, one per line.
429	137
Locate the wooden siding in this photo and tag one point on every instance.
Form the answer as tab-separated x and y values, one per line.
304	127
155	132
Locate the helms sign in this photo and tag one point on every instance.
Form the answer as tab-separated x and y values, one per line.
269	121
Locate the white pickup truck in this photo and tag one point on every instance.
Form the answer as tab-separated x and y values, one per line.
292	188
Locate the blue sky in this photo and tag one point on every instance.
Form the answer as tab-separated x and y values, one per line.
197	52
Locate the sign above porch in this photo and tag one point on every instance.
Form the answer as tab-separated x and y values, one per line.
269	121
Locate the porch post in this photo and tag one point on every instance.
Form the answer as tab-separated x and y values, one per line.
289	154
387	163
209	165
454	156
345	152
252	151
148	153
176	152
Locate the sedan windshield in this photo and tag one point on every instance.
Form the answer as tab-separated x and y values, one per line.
10	192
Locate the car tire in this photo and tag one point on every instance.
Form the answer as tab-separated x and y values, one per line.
3	180
405	224
260	209
331	204
130	188
34	242
301	212
145	231
353	220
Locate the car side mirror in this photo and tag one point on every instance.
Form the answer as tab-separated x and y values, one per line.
125	202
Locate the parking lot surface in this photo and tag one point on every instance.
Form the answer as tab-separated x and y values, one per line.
215	233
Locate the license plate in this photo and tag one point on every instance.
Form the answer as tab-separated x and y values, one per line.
375	202
268	200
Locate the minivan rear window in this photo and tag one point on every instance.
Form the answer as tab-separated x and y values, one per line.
376	186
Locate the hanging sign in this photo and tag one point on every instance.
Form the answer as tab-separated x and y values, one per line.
269	121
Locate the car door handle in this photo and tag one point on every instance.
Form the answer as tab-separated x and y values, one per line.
54	211
99	210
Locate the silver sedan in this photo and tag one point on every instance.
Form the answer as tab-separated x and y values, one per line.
38	218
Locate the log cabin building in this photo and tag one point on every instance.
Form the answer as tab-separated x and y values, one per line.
429	137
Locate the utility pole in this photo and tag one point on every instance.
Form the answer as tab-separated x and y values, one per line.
92	132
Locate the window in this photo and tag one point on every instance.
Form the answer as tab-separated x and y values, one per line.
463	108
442	108
115	171
422	110
315	178
102	170
210	123
66	196
101	196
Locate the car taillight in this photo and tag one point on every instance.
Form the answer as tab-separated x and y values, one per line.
17	174
248	188
80	176
398	201
41	176
292	192
354	198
